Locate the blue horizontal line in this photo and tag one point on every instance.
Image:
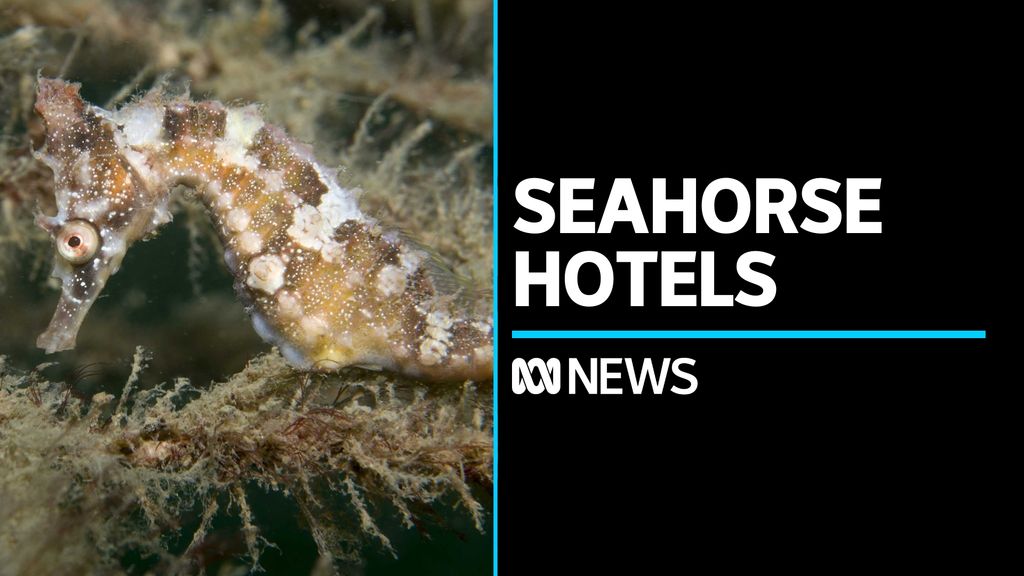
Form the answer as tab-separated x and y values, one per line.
751	334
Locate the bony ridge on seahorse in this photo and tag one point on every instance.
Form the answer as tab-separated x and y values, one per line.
321	280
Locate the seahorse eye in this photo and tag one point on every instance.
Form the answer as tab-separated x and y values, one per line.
78	241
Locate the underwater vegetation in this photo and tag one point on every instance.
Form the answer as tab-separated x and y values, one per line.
329	285
172	440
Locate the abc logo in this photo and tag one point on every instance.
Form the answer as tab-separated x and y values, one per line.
549	376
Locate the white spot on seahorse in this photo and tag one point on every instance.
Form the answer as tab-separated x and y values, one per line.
390	280
93	210
84	169
333	251
273	180
140	163
221	200
240	129
266	273
238	219
313	328
288	305
142	124
242	124
311	231
411	259
338	204
437	338
249	242
307	227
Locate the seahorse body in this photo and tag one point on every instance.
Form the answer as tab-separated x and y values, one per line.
321	280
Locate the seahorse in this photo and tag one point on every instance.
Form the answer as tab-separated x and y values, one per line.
327	284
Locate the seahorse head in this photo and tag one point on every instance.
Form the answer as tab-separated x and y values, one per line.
103	203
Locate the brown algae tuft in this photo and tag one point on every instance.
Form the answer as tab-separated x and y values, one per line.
114	477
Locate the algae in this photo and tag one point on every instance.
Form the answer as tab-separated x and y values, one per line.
173	440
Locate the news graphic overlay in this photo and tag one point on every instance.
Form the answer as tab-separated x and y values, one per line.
745	296
590	279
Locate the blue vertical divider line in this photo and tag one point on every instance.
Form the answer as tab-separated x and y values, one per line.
494	265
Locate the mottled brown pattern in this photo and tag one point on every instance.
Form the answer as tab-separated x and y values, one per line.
88	134
177	123
202	121
273	154
208	119
302	178
329	297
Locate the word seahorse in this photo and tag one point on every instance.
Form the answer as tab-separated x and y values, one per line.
324	282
